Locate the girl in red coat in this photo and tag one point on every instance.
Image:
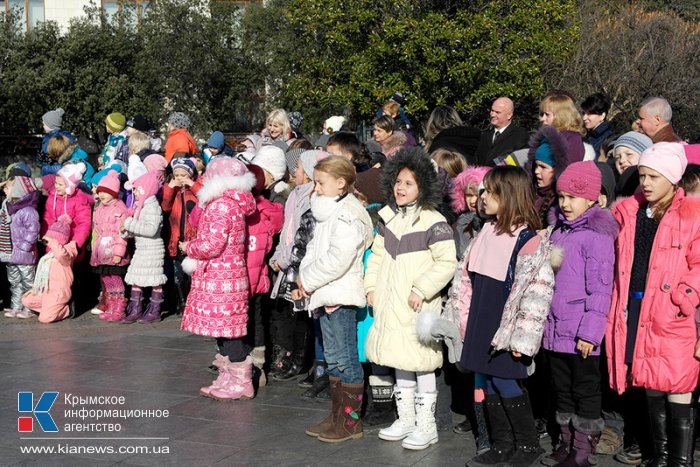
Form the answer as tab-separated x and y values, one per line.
179	199
651	338
217	305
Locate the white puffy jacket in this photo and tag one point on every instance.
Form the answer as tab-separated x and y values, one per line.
332	267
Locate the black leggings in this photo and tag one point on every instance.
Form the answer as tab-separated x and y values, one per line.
235	349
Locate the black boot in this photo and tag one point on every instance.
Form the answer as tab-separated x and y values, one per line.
311	376
381	409
292	366
320	384
502	442
657	413
680	434
527	442
278	354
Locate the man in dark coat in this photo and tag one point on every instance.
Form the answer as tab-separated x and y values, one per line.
504	137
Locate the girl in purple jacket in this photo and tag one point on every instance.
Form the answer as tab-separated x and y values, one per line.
19	223
584	240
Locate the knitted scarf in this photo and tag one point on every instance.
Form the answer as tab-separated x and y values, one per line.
41	279
5	237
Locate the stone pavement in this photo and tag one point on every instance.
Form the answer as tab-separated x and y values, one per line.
158	367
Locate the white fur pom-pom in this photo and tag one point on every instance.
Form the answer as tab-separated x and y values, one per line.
189	265
556	258
424	325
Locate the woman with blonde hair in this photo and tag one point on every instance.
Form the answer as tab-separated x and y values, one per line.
560	112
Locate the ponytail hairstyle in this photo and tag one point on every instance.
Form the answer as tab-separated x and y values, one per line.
339	167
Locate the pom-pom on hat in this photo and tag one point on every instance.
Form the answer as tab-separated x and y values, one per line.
72	175
271	158
109	184
60	230
666	158
179	120
581	179
53	118
115	122
310	158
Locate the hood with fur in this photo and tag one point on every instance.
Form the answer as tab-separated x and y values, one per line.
214	187
558	144
472	175
417	161
596	219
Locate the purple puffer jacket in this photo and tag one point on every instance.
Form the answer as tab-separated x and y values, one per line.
24	229
583	280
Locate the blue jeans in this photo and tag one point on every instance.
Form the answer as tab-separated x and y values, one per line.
318	340
339	330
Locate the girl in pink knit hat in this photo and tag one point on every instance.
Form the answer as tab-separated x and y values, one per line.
109	253
51	293
651	337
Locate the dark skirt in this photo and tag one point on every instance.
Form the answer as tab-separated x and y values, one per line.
485	312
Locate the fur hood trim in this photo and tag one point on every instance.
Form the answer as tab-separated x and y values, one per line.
472	175
558	144
596	219
217	186
395	140
417	161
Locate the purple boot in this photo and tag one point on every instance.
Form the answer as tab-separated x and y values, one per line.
133	312
152	314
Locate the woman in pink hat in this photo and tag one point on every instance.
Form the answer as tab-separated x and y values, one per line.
651	337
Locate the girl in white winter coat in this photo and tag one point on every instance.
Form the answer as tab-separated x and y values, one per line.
413	258
331	276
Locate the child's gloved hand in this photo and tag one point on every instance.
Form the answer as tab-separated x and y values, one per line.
443	329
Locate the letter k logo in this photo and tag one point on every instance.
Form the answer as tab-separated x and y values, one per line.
25	404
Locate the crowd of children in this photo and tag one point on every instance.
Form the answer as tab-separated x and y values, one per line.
502	271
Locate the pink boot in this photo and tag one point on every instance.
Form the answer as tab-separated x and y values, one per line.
219	362
115	308
240	382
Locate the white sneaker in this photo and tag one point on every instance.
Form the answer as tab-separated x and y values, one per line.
96	311
23	314
11	313
425	433
406	423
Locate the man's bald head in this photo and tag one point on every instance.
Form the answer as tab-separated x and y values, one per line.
501	112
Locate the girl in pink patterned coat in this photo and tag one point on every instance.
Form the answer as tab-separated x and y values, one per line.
217	305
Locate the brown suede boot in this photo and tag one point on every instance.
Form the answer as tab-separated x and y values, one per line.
347	424
334	388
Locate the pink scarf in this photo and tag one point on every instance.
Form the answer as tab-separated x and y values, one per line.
490	253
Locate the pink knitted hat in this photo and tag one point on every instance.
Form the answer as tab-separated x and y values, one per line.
109	183
666	158
148	186
581	179
72	175
60	230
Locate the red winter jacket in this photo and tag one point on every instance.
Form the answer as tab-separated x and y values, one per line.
666	334
263	225
179	141
173	201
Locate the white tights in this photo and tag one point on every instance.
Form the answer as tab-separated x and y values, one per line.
424	380
681	398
